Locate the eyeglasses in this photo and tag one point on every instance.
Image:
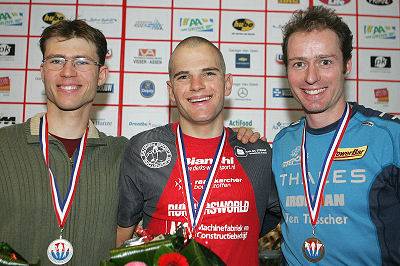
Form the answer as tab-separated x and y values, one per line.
80	63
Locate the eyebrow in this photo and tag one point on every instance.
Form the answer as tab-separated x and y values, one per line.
63	56
317	57
203	70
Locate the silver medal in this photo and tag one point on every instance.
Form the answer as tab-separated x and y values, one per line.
60	251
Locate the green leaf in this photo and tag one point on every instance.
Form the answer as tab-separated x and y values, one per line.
144	252
199	255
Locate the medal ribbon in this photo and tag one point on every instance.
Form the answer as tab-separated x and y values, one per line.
314	203
196	213
62	207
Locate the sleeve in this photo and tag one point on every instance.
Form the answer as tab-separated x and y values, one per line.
396	170
273	210
273	214
131	200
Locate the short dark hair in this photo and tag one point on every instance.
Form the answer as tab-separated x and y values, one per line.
318	18
195	41
68	29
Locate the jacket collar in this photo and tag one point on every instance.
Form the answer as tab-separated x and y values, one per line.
33	129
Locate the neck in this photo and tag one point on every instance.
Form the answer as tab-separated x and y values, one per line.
202	131
330	116
67	124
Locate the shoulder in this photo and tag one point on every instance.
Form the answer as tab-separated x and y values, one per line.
14	132
162	134
10	129
258	147
374	117
292	128
112	141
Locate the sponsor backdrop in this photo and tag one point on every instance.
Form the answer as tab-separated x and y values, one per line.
142	34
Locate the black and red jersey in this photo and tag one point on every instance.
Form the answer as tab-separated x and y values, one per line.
152	188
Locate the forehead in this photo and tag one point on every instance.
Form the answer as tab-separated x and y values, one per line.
70	47
197	57
314	42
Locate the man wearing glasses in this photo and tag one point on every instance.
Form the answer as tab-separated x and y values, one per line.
58	173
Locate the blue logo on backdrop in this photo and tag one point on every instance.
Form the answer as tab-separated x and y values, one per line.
147	88
242	61
282	93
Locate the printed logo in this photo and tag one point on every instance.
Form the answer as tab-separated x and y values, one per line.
381	64
106	88
147	52
103	21
379	32
11	18
368	123
147	88
242	61
101	122
335	2
152	25
240	123
288	1
5	84
146	124
344	154
52	18
279	58
277	26
294	158
381	95
155	155
60	251
196	24
7	120
243	24
243	152
280	125
380	2
147	56
7	49
282	93
229	206
381	61
242	92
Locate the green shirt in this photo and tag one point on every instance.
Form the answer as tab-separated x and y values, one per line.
27	218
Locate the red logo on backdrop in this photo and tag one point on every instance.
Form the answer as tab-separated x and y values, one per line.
147	52
335	2
382	95
5	84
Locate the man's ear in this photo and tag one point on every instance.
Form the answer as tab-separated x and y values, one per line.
228	84
348	66
42	73
171	92
103	75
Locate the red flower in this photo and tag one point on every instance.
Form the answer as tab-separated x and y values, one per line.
172	259
13	256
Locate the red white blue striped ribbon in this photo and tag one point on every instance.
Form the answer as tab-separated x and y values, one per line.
314	203
61	206
195	213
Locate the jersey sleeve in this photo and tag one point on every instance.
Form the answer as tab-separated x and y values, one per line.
273	214
131	200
